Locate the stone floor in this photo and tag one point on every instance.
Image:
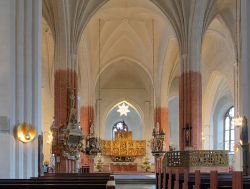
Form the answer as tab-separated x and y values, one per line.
135	181
135	186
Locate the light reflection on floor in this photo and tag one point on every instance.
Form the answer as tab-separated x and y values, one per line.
135	186
135	181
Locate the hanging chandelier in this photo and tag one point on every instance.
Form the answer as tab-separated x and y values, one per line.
93	143
72	135
238	120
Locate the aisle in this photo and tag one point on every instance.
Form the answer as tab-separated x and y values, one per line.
135	186
135	181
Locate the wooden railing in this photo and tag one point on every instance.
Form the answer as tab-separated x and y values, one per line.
199	158
199	180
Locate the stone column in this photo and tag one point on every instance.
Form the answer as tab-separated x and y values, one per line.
238	151
148	128
8	90
207	138
28	81
190	105
161	116
244	70
65	84
65	66
21	22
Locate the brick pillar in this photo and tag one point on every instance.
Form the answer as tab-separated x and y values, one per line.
86	115
190	108
65	80
161	116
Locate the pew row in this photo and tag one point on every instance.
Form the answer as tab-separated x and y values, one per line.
62	181
197	180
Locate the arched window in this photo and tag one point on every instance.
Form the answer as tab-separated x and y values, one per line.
229	130
119	126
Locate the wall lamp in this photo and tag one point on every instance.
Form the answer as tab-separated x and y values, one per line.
25	132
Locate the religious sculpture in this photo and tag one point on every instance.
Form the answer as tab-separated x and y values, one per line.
91	128
187	135
156	130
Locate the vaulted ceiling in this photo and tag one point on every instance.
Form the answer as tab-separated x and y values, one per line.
150	35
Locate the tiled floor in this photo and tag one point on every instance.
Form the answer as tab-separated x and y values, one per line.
135	186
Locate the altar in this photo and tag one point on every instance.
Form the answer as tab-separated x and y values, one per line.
123	167
122	151
123	147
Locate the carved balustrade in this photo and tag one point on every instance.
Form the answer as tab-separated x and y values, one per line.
199	158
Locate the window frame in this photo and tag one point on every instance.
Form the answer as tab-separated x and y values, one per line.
231	130
124	127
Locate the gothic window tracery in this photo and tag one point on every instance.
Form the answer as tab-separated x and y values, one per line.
119	126
229	130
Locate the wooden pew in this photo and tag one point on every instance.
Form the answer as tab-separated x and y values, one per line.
237	180
62	181
208	181
177	181
164	179
197	179
185	180
170	179
213	179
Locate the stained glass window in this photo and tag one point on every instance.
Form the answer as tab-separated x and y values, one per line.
119	126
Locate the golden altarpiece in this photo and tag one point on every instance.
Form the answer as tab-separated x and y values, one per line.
122	148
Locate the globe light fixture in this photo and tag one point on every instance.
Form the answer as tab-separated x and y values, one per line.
25	132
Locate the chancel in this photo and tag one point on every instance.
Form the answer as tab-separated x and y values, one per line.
111	93
123	146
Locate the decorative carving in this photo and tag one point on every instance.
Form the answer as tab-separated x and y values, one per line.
122	167
199	158
68	140
122	159
157	142
93	143
122	134
123	146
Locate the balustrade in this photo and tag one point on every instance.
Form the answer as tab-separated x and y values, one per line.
199	158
